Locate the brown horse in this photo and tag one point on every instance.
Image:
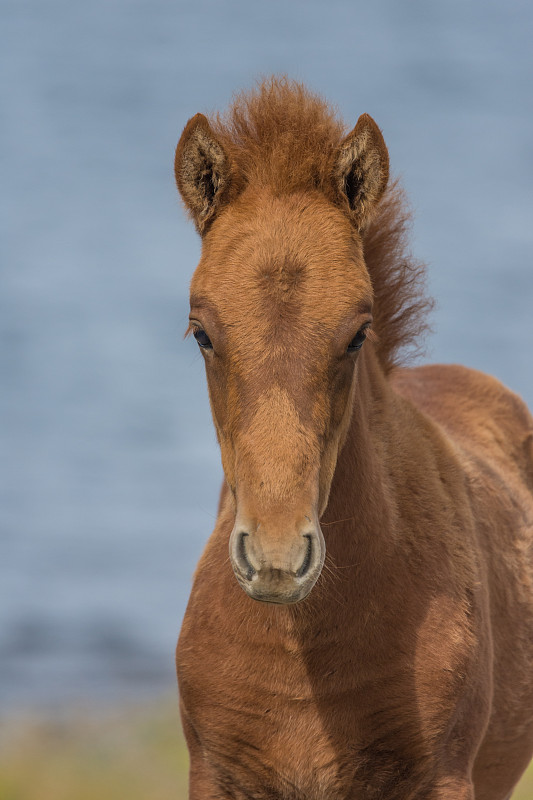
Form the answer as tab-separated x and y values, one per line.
403	496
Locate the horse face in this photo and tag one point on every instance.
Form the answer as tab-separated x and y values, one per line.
280	304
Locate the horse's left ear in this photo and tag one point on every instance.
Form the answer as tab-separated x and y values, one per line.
203	171
361	169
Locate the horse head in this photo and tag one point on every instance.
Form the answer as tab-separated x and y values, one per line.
281	304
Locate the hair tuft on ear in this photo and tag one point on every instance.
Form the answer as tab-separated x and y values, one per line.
361	170
202	169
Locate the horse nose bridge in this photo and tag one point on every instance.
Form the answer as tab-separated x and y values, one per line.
276	448
274	474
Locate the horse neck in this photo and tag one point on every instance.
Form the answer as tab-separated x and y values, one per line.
360	507
359	524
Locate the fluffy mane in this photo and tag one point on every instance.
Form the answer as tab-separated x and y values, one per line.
283	136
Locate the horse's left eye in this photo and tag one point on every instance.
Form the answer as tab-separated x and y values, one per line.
202	338
357	341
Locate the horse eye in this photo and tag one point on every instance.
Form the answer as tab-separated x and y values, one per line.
202	338
357	341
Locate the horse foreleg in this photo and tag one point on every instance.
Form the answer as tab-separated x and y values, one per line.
201	785
453	789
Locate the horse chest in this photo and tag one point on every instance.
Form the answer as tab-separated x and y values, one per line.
291	721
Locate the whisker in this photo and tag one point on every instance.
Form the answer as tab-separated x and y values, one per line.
336	522
329	582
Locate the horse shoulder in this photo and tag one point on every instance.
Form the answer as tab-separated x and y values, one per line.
480	414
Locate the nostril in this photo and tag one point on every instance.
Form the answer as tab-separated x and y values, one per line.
242	557
306	563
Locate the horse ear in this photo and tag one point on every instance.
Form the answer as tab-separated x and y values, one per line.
361	169
202	168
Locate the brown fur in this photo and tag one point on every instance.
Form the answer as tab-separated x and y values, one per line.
406	672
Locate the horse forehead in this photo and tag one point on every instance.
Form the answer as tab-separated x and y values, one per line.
293	259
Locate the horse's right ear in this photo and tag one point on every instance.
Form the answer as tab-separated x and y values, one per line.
202	168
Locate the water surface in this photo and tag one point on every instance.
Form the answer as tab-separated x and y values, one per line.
109	469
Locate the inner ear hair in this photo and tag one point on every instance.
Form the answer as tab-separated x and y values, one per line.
202	170
361	169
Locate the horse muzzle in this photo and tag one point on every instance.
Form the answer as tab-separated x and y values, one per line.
279	565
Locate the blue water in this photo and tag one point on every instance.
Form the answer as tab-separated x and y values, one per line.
109	469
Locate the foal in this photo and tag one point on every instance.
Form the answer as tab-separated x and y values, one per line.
382	516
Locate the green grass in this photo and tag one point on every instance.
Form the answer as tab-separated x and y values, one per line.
120	755
524	790
130	754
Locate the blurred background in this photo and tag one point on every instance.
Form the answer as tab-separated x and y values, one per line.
109	469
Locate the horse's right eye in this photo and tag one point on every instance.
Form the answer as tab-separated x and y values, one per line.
203	339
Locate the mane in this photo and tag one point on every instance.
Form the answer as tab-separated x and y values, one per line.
283	136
